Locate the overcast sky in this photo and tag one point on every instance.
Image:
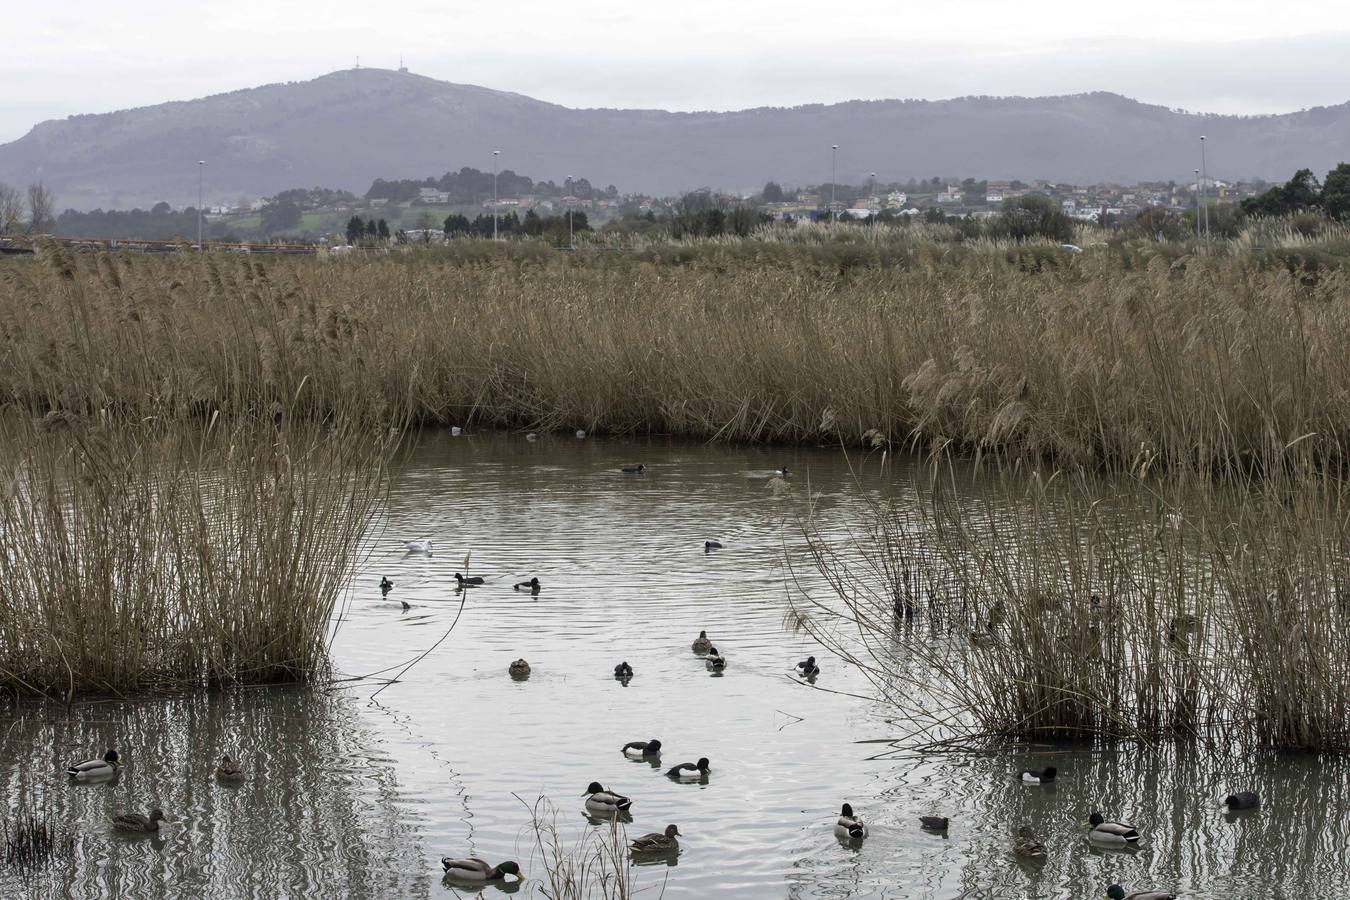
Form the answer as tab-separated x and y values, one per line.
1232	56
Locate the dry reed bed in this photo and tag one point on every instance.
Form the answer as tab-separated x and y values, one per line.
141	557
1125	358
1092	609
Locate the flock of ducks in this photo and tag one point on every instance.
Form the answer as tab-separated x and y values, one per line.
106	769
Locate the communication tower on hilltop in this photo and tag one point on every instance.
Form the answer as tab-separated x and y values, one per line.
401	67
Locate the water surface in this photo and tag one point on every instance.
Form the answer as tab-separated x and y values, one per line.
359	797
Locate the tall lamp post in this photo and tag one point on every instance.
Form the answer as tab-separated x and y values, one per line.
1204	190
201	168
495	154
834	216
1197	204
571	242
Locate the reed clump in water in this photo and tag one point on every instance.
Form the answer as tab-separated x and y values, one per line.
1121	356
1086	609
594	865
31	842
145	556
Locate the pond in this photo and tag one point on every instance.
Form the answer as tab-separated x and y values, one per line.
359	797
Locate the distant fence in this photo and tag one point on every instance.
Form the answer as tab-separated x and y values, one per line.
18	244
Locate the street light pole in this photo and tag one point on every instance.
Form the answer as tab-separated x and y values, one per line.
1197	204
834	216
1204	191
201	167
571	241
495	154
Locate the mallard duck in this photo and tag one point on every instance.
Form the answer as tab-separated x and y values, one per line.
656	842
418	546
1116	892
849	825
709	546
640	749
623	670
634	470
601	800
934	823
1025	843
474	581
96	768
406	605
807	668
701	644
229	770
532	586
715	660
1111	834
690	771
781	472
385	586
519	669
1038	776
1242	800
477	870
139	823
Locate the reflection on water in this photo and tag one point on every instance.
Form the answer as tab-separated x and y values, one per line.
355	798
318	812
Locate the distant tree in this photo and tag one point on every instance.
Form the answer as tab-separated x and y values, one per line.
278	217
382	230
12	209
1032	216
1299	194
1156	223
41	209
161	209
355	229
372	230
772	193
457	223
1336	192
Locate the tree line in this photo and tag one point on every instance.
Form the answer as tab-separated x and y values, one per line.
27	212
471	186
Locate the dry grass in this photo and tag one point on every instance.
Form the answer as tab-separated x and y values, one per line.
140	556
1089	608
1134	357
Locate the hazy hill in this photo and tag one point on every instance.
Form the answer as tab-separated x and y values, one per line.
346	128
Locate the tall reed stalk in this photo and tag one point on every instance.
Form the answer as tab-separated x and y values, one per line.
1122	356
140	556
1082	608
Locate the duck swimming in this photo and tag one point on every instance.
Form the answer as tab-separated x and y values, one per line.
634	470
657	842
807	668
701	644
849	825
229	770
623	670
96	768
690	771
1038	776
715	660
135	822
600	800
640	749
418	546
477	870
934	823
1242	800
1116	892
519	669
710	546
781	473
1025	843
385	586
475	581
1111	834
532	586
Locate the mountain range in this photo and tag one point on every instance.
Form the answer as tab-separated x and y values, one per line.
344	129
